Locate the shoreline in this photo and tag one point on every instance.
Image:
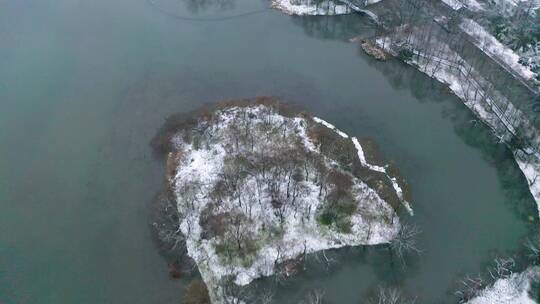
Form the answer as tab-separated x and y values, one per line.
529	163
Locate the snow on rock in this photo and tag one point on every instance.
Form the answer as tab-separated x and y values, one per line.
512	290
217	223
494	49
311	7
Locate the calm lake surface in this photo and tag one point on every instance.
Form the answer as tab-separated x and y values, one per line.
84	85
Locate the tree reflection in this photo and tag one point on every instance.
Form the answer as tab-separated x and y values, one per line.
341	27
198	6
195	6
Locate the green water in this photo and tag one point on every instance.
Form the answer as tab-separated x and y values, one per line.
84	84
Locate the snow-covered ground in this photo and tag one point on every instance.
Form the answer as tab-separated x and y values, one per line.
202	168
311	7
454	4
494	49
530	57
512	290
530	166
472	5
513	23
507	8
324	8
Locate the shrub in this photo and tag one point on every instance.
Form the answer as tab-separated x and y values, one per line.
196	141
327	218
161	142
344	225
346	207
174	271
338	214
213	225
228	250
405	54
341	180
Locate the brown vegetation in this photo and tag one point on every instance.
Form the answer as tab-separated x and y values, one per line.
173	160
174	271
373	50
289	268
161	142
213	225
196	293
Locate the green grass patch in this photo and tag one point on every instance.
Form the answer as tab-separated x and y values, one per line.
338	216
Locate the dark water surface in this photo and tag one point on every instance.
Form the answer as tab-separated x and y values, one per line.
84	84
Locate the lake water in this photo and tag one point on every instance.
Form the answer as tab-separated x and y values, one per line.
84	84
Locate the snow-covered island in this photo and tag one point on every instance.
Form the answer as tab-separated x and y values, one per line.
256	187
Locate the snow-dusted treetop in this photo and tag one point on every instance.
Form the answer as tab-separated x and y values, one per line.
257	188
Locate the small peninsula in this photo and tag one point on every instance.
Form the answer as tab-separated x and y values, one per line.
256	186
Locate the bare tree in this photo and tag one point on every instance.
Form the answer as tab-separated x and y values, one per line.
405	242
470	287
234	294
265	297
391	296
502	268
321	257
315	296
168	225
533	247
239	231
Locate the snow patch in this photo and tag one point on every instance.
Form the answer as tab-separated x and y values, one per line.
311	7
330	126
512	290
362	157
454	4
474	5
494	49
531	170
